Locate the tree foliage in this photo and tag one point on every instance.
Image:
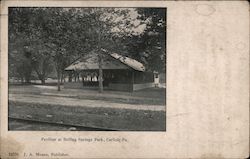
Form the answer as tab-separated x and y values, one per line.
43	39
150	47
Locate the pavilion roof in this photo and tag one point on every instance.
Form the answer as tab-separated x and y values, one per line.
110	61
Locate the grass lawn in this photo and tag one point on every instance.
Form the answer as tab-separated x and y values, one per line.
152	96
107	118
96	117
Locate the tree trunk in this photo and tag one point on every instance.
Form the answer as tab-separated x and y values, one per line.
62	77
70	76
100	59
27	79
75	76
41	77
58	80
100	79
43	81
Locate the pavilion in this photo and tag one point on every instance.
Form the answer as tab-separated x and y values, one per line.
119	73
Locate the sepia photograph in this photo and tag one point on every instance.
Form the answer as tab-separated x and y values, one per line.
87	69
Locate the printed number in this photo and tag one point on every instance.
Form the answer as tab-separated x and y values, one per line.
13	154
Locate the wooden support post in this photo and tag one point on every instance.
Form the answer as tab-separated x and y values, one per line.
132	81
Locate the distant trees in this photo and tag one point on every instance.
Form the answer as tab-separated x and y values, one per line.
43	39
27	51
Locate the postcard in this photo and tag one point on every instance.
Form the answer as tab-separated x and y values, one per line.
124	79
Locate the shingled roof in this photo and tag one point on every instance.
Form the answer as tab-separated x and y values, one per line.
110	61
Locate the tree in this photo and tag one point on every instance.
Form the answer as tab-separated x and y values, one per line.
105	27
42	65
150	47
26	49
20	66
59	35
48	34
63	37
